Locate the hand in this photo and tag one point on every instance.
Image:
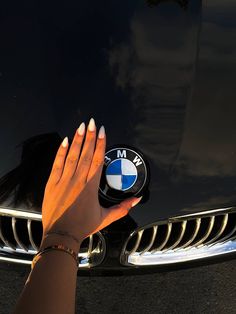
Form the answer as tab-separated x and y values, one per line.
70	201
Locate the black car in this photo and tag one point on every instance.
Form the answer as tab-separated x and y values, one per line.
160	75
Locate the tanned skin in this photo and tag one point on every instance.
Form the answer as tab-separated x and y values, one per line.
70	206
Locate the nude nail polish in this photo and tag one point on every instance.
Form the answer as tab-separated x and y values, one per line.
136	201
81	129
101	133
65	142
91	125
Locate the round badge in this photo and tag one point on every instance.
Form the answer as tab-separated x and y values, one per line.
125	174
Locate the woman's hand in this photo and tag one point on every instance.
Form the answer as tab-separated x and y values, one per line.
70	206
70	203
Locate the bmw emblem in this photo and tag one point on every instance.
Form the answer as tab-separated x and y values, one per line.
125	174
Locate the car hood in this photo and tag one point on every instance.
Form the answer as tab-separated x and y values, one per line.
159	75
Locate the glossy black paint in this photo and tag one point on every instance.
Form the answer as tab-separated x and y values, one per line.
159	75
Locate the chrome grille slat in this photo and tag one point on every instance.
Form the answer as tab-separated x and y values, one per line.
20	214
227	237
35	247
22	231
138	240
220	231
182	231
193	236
18	241
208	231
154	232
183	238
3	238
169	227
90	244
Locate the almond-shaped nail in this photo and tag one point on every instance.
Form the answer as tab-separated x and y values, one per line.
91	125
81	129
101	133
136	201
65	142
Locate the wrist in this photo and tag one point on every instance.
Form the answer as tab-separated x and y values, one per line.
53	239
53	250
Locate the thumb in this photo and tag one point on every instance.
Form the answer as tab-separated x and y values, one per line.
127	204
120	210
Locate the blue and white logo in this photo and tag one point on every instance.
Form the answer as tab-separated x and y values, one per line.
121	174
124	174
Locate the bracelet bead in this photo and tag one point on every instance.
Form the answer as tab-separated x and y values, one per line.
58	247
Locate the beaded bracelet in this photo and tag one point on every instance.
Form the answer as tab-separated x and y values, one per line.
58	247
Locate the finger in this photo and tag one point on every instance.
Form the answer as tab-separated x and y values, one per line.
111	214
58	163
120	210
126	205
74	153
98	157
87	153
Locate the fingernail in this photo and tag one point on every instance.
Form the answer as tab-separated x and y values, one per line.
65	142
101	133
91	125
136	201
81	129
